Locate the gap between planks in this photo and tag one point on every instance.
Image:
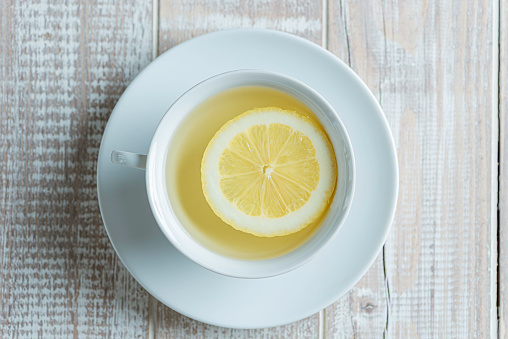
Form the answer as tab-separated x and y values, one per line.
152	317
155	29
152	302
324	44
496	193
321	325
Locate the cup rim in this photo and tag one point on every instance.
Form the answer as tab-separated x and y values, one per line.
153	185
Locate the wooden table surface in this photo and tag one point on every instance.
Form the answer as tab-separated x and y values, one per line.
439	68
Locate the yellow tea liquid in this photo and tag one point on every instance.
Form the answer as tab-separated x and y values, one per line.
183	174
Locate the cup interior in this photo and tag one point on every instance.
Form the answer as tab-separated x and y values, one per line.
171	225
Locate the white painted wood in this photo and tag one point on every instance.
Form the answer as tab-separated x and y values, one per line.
63	66
430	64
363	311
181	20
171	324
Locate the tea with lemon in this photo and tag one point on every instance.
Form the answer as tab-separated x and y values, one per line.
250	173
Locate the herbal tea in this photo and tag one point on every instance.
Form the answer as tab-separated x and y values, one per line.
292	185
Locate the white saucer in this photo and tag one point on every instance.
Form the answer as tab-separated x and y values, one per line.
194	291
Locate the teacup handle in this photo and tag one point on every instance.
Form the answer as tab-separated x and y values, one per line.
129	159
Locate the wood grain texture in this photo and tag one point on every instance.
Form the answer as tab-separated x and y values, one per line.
63	66
171	324
181	20
363	311
430	64
503	177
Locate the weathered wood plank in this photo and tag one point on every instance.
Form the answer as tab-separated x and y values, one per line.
430	64
63	66
180	21
362	312
171	324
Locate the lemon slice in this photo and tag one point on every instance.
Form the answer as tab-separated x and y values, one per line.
269	172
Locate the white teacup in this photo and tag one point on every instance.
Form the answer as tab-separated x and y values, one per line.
155	165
